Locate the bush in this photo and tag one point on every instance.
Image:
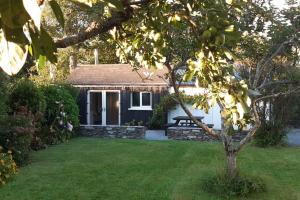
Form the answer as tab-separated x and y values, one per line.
7	167
61	114
227	187
72	90
57	98
3	94
160	111
26	94
37	142
28	98
270	134
134	123
158	118
16	136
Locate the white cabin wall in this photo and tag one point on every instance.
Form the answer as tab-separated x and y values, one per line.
212	117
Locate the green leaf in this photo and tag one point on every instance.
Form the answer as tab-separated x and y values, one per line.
229	28
48	46
4	5
57	12
30	50
115	4
42	61
34	11
43	44
229	2
188	76
12	56
16	35
85	2
228	55
13	13
220	40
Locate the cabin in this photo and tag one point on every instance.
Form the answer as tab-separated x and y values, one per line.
118	94
115	94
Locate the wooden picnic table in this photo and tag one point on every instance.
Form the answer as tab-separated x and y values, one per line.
187	120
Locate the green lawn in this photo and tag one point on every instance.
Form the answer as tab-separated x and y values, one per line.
89	168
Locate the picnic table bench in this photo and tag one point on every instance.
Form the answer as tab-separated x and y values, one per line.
185	121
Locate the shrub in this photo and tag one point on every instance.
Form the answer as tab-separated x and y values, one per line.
26	94
57	98
3	94
16	136
227	187
61	114
37	142
270	134
134	123
158	117
7	167
72	90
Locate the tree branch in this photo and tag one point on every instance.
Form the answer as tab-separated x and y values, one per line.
97	28
294	91
266	60
252	131
281	82
208	130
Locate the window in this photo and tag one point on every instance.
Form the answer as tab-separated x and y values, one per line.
135	99
146	99
141	101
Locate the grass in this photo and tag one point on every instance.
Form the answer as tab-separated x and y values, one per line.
92	169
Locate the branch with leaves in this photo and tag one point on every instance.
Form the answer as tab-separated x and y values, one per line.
175	85
266	61
22	35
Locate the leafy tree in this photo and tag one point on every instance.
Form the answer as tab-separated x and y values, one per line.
209	32
151	33
76	18
23	35
268	60
204	27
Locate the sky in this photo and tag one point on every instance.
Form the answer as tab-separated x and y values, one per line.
278	3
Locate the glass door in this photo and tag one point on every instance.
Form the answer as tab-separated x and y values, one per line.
103	108
95	114
112	108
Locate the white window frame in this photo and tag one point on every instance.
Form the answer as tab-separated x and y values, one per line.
140	107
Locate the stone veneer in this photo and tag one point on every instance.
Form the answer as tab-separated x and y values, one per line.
194	133
130	132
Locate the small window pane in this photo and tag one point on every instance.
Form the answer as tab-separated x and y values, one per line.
135	99
146	99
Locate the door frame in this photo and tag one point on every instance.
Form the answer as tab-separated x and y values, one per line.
103	106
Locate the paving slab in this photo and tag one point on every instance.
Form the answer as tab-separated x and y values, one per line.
155	135
293	137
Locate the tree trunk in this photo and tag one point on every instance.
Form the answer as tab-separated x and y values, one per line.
231	164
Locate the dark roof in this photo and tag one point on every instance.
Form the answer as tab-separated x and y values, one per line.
116	74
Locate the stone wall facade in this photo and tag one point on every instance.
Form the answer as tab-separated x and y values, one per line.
194	133
129	132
